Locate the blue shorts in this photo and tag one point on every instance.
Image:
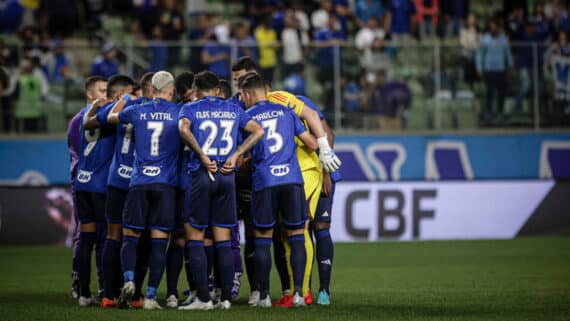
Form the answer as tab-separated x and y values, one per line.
183	208
324	207
115	204
287	200
243	195
150	205
212	203
90	207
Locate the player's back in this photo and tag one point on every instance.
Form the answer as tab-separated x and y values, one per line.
215	123
274	159
121	168
157	142
95	155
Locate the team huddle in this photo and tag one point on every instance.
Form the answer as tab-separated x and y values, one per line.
165	182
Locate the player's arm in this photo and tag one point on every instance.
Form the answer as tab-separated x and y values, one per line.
329	161
327	181
255	132
113	117
190	140
90	120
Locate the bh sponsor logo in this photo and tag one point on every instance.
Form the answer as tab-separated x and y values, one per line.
279	170
151	170
125	171
84	176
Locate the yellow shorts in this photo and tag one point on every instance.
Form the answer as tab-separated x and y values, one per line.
313	184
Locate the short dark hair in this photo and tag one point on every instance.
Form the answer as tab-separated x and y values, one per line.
118	82
225	88
183	82
252	81
244	63
243	78
206	80
92	81
146	79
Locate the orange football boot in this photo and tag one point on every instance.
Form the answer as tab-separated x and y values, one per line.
137	304
286	301
108	303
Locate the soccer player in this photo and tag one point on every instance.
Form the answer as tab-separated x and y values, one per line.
277	185
322	220
241	67
209	126
152	193
175	254
311	168
95	156
118	182
95	88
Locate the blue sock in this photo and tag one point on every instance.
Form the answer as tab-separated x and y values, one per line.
281	261
298	260
210	265
263	264
226	269
151	292
85	249
198	264
325	254
188	270
141	265
249	258
129	257
156	263
174	261
111	255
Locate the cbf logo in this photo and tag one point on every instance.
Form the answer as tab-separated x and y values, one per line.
151	170
84	176
279	170
125	171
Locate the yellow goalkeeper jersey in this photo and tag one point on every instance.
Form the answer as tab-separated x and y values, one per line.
308	158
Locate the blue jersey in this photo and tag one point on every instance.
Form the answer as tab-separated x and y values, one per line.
216	124
185	177
123	158
157	142
95	155
335	176
273	158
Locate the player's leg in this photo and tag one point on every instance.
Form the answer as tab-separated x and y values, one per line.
162	219
198	221
291	200
175	254
238	267
174	262
325	246
263	217
141	267
87	238
74	262
211	268
244	208
134	222
279	253
112	249
101	229
223	218
312	189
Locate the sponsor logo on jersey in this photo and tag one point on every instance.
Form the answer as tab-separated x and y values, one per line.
125	171
151	170
279	170
84	176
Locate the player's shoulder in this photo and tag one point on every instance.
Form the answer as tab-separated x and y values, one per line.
309	103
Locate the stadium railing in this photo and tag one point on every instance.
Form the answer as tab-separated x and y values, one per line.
437	87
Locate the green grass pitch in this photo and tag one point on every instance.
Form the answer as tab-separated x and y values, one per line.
521	279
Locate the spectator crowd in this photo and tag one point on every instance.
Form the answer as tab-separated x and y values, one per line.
282	37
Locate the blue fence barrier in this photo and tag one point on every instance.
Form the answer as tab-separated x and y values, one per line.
365	158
